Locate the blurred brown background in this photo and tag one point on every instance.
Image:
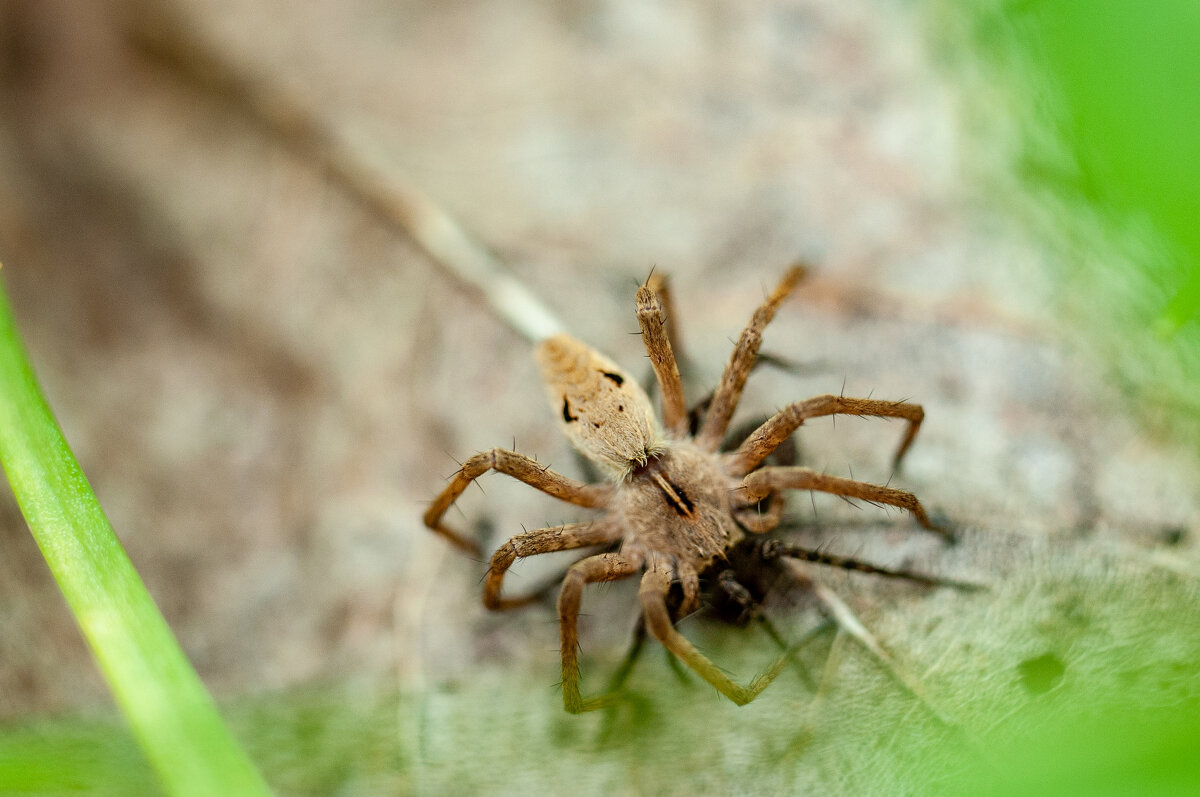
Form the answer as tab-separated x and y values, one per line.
265	382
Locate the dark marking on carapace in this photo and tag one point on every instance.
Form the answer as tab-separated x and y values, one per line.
617	379
567	416
675	496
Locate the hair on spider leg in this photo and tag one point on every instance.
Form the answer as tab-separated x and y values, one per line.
850	501
460	512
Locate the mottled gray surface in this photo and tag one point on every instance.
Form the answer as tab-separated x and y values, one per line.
265	385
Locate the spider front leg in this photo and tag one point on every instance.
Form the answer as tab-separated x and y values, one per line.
765	481
532	543
656	335
652	594
733	380
519	467
779	427
601	567
658	283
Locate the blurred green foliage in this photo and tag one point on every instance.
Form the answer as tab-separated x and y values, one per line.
1101	101
163	699
1129	80
1146	751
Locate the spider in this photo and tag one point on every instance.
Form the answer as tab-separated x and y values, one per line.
674	503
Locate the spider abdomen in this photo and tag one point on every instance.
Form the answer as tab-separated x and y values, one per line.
602	411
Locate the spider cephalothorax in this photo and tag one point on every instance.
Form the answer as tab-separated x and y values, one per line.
674	503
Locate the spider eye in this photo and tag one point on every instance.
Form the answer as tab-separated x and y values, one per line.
617	379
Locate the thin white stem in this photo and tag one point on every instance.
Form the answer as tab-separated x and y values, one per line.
373	181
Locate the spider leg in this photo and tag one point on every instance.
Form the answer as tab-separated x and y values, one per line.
737	593
689	581
729	390
776	637
656	335
658	282
753	519
519	467
752	609
652	594
772	549
757	518
601	567
697	411
852	626
767	437
532	543
763	481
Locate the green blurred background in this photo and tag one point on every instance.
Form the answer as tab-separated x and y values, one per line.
1104	99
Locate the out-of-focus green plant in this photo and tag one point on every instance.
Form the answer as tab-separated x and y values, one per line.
1151	751
1086	115
172	716
1131	115
1099	102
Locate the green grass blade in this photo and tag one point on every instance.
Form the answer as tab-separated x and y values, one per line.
172	715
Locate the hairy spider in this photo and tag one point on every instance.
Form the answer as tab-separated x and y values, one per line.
673	502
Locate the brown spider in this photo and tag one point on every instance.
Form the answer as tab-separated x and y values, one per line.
674	502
